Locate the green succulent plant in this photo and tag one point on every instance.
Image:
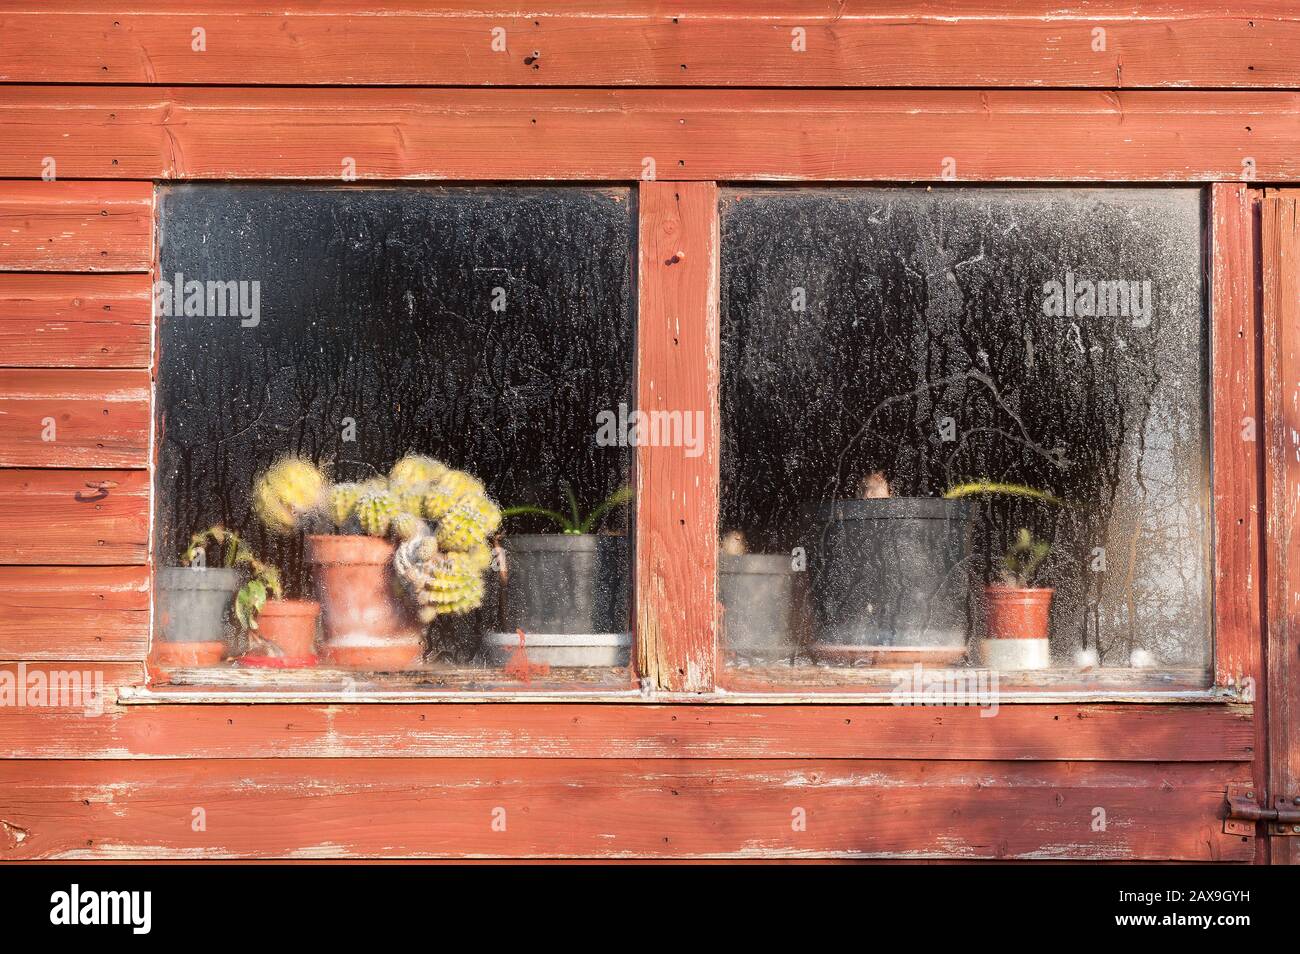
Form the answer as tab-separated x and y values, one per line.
574	522
263	579
1023	558
976	487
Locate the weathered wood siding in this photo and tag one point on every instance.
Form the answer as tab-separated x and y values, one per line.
108	103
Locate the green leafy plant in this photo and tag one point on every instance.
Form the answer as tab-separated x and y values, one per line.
574	522
263	579
974	488
1022	560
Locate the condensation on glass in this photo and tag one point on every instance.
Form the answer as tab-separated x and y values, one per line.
940	404
347	328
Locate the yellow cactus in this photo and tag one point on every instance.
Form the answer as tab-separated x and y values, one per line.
375	512
289	489
343	502
457	484
480	557
407	526
453	585
436	503
464	526
417	469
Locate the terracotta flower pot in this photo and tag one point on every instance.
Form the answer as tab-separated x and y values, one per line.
1015	613
291	626
366	625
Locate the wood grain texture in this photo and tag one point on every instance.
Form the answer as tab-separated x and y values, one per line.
74	418
857	46
69	226
1238	510
472	134
74	517
677	481
81	613
74	321
1120	733
1281	272
612	808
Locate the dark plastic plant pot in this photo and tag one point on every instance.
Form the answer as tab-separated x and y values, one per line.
614	583
757	595
194	603
888	572
551	583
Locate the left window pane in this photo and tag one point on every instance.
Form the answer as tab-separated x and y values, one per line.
385	403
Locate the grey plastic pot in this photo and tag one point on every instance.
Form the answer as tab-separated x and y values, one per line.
194	602
757	595
561	649
889	572
551	583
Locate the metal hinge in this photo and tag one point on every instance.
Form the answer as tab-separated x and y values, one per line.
1244	810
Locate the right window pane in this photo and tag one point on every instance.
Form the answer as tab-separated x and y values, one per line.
965	426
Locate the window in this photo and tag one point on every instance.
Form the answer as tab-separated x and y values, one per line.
964	427
313	339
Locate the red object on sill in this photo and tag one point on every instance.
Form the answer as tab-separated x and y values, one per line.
278	662
1019	612
188	655
518	666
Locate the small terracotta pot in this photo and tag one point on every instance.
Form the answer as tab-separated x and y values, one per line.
366	625
188	655
1015	613
291	626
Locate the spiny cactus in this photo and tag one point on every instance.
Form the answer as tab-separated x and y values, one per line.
436	503
454	585
407	526
288	490
441	583
441	517
375	512
414	469
458	484
480	557
467	524
342	503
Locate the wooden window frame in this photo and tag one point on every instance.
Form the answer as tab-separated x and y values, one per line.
676	620
687	653
694	139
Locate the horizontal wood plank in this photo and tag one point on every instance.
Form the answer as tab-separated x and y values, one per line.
74	418
634	730
74	517
74	613
69	226
926	135
74	321
820	45
612	808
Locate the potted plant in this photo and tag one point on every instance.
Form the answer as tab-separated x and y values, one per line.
566	591
886	573
756	591
1018	614
388	555
194	598
278	633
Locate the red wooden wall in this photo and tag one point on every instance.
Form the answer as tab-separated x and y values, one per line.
109	103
